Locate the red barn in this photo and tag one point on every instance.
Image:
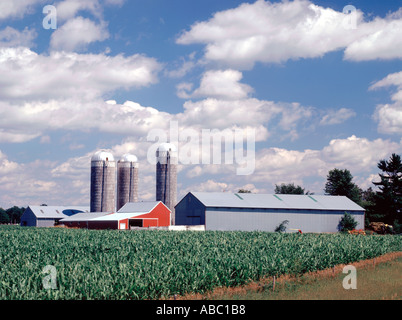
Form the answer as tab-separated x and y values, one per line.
133	214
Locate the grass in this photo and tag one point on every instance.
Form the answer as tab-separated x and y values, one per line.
377	279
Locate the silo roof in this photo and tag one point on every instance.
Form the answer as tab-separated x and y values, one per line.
276	201
128	158
102	155
164	147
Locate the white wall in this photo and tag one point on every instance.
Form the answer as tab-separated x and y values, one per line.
268	221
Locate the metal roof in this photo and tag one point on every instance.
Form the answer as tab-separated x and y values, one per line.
128	158
85	216
129	210
55	212
143	206
119	216
276	201
102	155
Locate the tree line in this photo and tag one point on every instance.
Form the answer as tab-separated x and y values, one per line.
11	215
383	205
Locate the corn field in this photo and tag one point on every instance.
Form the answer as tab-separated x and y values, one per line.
114	265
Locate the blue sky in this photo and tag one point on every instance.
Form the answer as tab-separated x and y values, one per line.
321	89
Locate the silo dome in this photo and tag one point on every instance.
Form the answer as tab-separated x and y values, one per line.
165	147
102	155
128	158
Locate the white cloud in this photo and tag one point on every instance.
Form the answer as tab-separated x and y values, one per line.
276	32
389	116
337	116
77	34
10	37
6	166
358	154
68	75
69	93
17	9
68	9
383	41
222	84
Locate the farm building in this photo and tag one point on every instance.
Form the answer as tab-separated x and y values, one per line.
132	214
48	216
264	212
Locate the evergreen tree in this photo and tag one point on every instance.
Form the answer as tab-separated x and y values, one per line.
340	183
388	200
290	189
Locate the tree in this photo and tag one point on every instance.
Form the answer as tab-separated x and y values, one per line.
243	191
368	202
289	188
15	214
339	183
388	200
347	223
4	217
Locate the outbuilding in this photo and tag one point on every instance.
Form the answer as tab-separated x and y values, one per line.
133	214
265	212
48	216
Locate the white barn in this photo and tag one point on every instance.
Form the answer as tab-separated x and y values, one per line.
48	216
264	212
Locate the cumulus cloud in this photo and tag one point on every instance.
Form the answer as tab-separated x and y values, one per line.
77	34
10	37
358	154
389	116
381	41
310	167
68	94
276	32
17	9
220	84
68	9
65	75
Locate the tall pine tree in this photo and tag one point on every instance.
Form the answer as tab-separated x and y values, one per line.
388	200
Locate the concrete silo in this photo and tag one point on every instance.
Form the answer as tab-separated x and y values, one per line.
103	182
127	180
166	176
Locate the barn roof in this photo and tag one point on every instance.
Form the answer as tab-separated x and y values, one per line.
143	206
276	201
55	212
84	216
129	210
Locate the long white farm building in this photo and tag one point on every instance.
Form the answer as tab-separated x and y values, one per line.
264	212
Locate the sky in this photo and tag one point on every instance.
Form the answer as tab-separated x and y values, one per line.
315	85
